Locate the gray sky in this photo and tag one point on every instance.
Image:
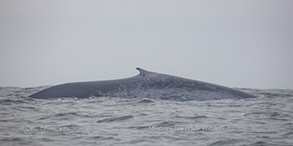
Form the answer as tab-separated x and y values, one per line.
245	43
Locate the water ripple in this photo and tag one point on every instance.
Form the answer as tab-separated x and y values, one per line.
266	120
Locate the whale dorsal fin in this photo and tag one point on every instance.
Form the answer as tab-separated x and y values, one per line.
143	72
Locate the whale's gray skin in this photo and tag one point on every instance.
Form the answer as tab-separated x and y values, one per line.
147	85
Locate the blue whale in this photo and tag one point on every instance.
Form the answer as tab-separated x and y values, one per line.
146	85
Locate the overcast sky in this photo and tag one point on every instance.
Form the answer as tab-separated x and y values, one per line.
246	43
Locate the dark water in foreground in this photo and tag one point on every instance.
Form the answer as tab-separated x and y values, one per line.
266	120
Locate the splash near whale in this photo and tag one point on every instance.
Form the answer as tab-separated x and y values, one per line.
145	85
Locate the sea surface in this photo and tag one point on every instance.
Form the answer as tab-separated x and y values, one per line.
261	121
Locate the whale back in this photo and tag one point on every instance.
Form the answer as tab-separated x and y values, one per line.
146	85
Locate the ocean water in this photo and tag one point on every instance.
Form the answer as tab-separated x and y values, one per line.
266	120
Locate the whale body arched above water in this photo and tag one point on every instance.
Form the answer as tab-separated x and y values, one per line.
146	85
